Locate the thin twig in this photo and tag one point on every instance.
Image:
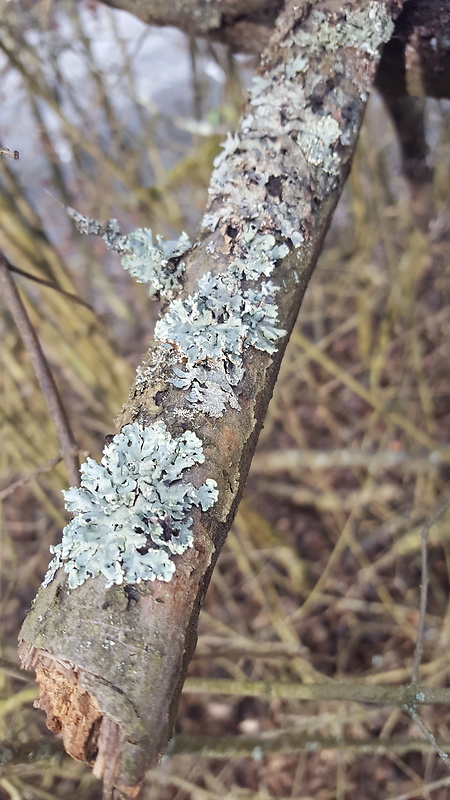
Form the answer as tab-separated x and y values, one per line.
293	460
418	651
404	697
228	747
43	373
14	671
4	493
72	297
428	735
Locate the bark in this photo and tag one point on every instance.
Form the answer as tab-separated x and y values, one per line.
246	25
416	61
408	116
111	662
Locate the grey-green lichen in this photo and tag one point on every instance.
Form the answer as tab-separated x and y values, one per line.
364	28
303	110
148	259
210	329
132	511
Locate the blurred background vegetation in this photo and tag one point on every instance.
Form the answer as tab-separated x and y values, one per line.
320	575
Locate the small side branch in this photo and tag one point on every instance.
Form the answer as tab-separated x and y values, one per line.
418	652
43	372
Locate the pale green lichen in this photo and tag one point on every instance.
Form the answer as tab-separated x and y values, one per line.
211	329
302	112
148	259
132	511
364	28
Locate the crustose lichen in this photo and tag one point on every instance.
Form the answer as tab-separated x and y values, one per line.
131	513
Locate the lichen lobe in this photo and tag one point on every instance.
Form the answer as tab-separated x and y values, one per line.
132	511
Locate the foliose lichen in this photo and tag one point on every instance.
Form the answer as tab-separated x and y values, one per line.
211	329
363	28
148	259
287	153
132	511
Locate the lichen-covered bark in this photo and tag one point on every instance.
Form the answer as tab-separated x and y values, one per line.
244	24
416	62
111	661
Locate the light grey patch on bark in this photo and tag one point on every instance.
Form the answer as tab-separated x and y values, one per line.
131	513
365	29
153	369
288	149
148	259
211	329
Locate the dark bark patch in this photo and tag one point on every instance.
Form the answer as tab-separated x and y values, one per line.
274	186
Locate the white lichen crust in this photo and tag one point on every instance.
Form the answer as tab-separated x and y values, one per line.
149	260
210	329
131	513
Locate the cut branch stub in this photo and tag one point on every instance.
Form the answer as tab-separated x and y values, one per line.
111	657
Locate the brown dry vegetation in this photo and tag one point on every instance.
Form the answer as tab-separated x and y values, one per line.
320	576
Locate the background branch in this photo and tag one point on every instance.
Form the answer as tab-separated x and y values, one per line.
43	373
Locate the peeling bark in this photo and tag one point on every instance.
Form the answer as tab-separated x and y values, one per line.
111	661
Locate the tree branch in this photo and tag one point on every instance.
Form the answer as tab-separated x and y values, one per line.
111	659
415	62
67	443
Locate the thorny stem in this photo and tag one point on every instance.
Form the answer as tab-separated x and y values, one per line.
67	443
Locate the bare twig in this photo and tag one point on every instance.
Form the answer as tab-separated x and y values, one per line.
404	697
424	591
428	735
72	297
257	747
225	747
8	490
14	671
43	373
293	460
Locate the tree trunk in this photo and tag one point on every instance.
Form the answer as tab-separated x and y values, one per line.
111	661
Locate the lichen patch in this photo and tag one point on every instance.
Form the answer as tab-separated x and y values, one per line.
132	511
147	258
211	329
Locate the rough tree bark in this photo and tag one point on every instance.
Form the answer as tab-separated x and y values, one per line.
111	661
416	60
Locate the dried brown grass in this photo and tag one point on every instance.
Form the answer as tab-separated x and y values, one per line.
319	579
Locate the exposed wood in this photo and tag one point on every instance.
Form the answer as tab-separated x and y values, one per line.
112	661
